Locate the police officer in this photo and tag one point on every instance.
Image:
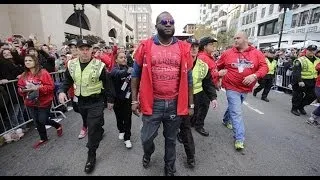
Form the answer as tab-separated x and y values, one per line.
91	86
303	80
266	82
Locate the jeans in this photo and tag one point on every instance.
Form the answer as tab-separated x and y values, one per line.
317	110
234	113
164	111
41	118
186	136
16	115
123	112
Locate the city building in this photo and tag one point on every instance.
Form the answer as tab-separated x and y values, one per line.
261	22
142	15
233	17
209	15
190	28
111	22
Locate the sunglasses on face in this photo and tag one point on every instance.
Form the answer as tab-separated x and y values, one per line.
165	22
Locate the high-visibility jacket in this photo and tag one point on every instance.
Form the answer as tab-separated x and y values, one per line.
271	65
308	70
199	72
86	82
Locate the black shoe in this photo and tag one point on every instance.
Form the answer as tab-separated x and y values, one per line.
254	93
202	131
179	138
295	112
191	162
167	172
302	111
91	162
265	99
145	161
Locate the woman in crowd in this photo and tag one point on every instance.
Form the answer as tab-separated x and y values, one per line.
36	87
121	76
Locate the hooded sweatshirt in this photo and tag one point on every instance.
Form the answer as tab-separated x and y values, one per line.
239	65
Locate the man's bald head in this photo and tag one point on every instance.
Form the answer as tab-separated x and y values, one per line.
241	40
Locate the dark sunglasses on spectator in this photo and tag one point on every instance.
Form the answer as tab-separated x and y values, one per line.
165	22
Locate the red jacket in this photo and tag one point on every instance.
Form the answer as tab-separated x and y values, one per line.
318	77
46	90
239	65
207	58
143	59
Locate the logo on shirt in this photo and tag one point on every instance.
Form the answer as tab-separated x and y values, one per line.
242	64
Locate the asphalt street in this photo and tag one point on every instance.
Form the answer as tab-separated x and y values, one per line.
277	143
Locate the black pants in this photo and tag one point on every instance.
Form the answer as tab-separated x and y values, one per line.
41	119
186	136
266	85
92	113
122	110
302	96
201	107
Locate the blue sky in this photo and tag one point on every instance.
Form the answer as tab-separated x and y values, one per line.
182	13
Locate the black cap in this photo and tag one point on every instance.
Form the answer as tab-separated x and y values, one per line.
193	41
206	40
83	42
312	48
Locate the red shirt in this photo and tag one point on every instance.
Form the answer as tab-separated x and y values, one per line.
46	90
239	65
165	71
318	77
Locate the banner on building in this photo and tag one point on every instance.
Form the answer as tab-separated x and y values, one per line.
287	20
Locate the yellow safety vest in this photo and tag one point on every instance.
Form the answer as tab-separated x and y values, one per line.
308	70
199	72
86	82
272	66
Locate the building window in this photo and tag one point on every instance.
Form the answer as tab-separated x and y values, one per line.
249	32
315	15
247	19
271	9
263	12
210	6
269	28
254	16
251	18
243	20
295	19
304	18
253	29
276	27
261	30
204	11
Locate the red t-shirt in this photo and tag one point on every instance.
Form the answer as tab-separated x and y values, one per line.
165	71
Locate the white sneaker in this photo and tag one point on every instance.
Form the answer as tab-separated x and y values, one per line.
128	144
83	132
121	136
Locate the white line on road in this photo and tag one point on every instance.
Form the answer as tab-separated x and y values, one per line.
248	105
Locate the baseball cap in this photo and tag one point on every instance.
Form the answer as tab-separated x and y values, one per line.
83	42
206	40
72	42
312	48
96	46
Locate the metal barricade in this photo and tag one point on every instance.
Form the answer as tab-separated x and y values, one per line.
14	114
283	78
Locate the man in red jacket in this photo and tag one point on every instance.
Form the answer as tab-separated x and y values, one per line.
162	76
244	65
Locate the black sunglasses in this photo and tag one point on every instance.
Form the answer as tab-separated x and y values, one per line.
165	22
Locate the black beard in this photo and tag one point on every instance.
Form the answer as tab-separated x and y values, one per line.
163	35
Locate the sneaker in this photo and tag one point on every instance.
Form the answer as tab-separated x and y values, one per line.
59	131
228	124
39	143
83	132
128	144
239	145
121	136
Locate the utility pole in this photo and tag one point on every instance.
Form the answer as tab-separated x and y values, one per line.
284	7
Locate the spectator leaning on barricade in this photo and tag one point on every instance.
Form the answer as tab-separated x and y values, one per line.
11	70
36	87
303	81
121	77
89	78
244	65
266	82
162	76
